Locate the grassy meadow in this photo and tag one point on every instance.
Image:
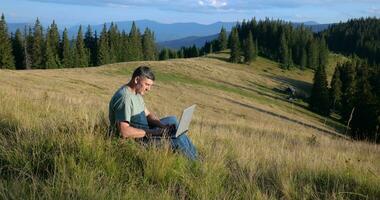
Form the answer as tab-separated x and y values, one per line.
253	143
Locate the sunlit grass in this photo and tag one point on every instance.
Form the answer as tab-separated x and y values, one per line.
54	143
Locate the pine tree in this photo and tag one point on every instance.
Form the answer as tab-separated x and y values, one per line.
303	61
164	54
6	56
348	77
181	53
222	39
323	52
114	43
312	54
336	90
103	52
319	99
364	121
38	45
284	52
18	50
135	46
124	46
149	47
81	53
249	49
172	54
51	60
67	59
28	47
235	46
90	44
51	54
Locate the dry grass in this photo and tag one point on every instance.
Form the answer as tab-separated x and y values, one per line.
53	143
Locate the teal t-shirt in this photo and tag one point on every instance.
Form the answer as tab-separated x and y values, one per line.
127	106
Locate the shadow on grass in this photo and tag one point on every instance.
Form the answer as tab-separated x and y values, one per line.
251	89
286	118
301	85
215	56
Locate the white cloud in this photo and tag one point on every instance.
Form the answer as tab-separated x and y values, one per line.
213	3
216	5
374	11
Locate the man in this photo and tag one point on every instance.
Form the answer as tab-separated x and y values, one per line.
129	117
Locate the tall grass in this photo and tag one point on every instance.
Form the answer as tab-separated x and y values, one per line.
54	145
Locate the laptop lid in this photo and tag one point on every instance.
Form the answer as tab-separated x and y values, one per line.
184	124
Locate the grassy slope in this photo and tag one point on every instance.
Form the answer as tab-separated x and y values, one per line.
250	139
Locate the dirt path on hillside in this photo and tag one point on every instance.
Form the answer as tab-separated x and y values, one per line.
289	119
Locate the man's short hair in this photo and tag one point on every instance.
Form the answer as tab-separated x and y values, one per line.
143	71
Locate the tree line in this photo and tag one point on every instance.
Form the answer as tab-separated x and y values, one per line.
34	48
359	37
279	41
354	93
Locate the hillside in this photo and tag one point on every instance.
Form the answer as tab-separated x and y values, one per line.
253	142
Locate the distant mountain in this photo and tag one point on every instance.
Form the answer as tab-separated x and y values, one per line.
187	41
314	26
166	32
12	27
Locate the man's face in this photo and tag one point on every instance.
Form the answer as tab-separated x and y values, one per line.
143	84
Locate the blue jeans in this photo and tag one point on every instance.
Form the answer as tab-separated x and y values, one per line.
182	143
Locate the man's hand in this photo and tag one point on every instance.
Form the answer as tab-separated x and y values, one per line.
166	131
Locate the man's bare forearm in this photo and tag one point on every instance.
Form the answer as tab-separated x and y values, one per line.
154	120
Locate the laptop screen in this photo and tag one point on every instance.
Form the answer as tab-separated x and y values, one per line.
185	120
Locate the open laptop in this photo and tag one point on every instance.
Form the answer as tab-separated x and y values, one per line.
184	123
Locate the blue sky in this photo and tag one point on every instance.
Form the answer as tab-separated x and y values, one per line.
72	12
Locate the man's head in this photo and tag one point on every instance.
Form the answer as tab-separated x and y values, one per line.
142	79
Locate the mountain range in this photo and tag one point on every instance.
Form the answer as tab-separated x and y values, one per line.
172	35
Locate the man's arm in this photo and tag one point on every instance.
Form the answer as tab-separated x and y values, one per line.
127	131
153	119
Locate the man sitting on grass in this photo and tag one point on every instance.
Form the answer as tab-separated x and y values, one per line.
129	117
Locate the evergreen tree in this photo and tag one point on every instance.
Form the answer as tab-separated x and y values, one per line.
149	47
125	46
38	45
284	52
6	56
249	49
51	53
51	60
81	53
222	39
135	46
164	54
67	59
364	121
172	54
114	44
194	51
336	90
348	78
91	44
18	50
323	52
103	52
181	53
319	99
235	46
303	61
28	47
312	54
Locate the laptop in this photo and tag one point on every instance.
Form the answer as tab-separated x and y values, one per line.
184	123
